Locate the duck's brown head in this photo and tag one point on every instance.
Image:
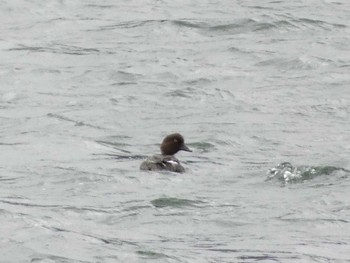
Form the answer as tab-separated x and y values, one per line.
172	144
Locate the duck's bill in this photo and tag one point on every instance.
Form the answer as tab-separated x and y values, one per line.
185	148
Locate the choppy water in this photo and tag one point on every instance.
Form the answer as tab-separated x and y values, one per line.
90	88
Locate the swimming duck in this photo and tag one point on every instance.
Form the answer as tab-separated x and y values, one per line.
166	161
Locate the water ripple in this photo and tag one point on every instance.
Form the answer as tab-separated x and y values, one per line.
175	202
59	49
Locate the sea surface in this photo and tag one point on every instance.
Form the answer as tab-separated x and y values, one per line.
259	89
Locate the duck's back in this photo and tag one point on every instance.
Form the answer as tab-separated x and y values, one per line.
160	162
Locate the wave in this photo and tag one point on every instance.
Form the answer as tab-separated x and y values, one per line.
287	173
174	202
58	49
249	24
232	27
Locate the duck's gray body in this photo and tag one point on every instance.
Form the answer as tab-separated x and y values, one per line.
161	162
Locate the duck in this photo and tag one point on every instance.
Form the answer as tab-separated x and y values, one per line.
166	161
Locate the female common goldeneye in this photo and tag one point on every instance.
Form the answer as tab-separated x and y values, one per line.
167	161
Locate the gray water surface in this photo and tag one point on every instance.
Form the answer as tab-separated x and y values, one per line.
88	89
